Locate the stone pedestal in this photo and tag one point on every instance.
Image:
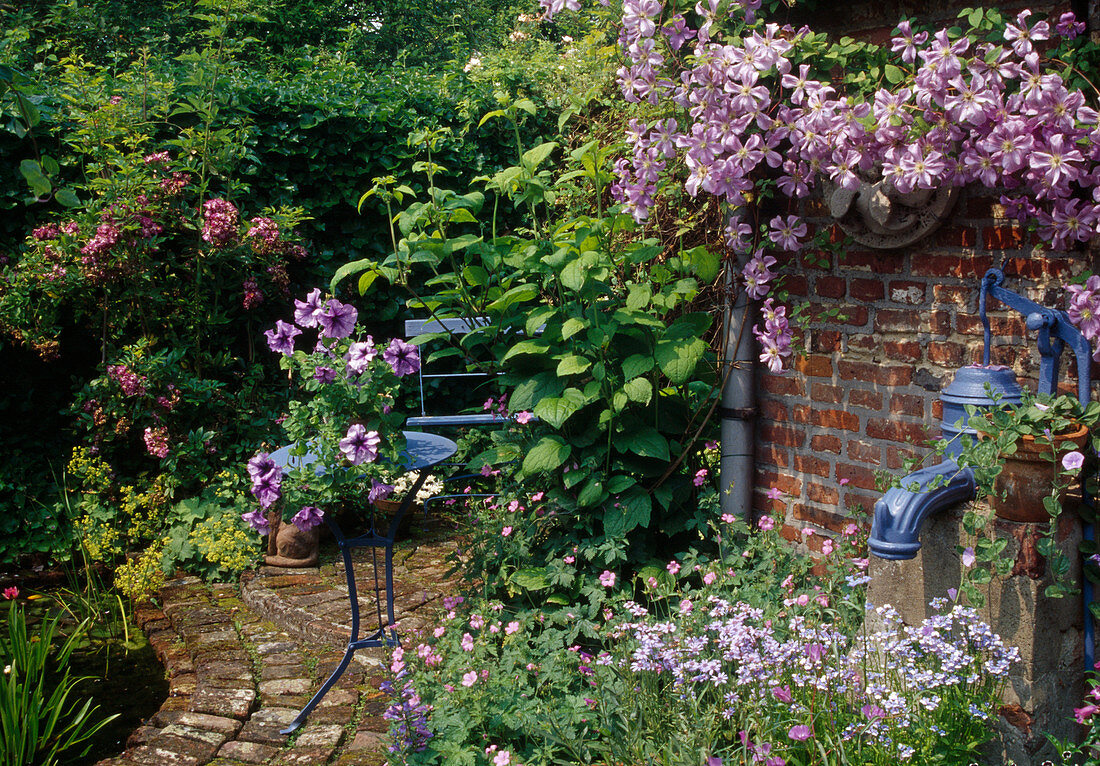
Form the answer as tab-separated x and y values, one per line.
1048	682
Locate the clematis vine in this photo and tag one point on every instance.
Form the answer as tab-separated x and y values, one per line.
741	114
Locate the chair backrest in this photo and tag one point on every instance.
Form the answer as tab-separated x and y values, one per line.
459	327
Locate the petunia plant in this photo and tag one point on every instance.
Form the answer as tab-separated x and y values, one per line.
343	429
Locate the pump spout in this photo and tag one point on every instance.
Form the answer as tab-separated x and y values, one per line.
895	530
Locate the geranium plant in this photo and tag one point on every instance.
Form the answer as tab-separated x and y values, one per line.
344	427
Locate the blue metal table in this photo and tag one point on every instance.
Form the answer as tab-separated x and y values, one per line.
422	450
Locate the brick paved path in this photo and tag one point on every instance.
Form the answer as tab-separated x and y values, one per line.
243	660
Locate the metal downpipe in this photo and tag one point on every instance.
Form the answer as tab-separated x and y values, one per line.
738	404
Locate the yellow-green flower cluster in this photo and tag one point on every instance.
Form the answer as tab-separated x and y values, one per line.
93	472
224	542
141	576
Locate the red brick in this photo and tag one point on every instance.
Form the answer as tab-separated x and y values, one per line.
937	409
946	354
875	262
824	341
868	400
867	290
783	385
1003	326
784	482
1002	238
912	321
830	287
772	410
790	534
785	436
796	285
909	293
962	296
812	465
896	457
825	443
819	493
902	351
856	503
830	520
1036	268
854	316
864	452
857	476
861	342
770	454
815	365
824	392
959	266
883	375
897	431
956	236
907	404
833	419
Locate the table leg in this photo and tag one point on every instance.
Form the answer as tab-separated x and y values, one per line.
345	551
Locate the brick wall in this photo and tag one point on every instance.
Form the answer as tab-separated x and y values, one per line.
865	394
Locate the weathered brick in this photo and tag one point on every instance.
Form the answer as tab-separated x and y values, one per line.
896	457
864	452
825	418
773	455
825	392
959	266
819	493
862	342
825	341
811	464
868	400
1002	238
825	443
907	404
1004	326
875	262
819	517
859	504
783	385
786	436
896	431
910	321
857	476
883	375
784	482
815	365
956	236
946	353
867	290
830	287
962	296
772	410
902	350
907	292
796	285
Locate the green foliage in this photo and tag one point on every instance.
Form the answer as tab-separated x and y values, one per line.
40	720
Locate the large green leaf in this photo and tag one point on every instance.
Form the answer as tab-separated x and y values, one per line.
526	394
534	578
592	493
555	410
645	441
573	364
679	350
632	510
531	346
547	455
639	390
637	364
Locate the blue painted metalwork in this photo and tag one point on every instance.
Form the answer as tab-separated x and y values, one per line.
900	512
422	450
969	389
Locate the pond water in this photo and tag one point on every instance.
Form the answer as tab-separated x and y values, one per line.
130	682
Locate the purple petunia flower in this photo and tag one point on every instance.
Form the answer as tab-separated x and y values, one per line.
1073	460
307	518
403	357
307	312
257	520
324	374
281	339
360	355
260	465
337	320
267	489
360	445
379	490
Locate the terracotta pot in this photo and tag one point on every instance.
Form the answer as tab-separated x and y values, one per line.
385	511
1028	475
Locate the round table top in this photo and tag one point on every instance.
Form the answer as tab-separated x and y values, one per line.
422	450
